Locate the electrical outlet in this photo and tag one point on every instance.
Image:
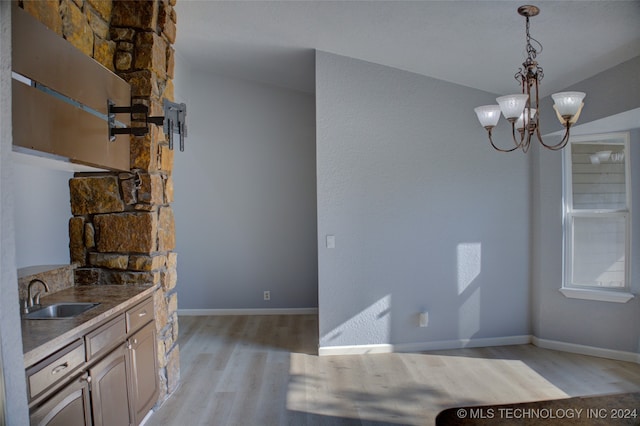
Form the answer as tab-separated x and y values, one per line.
267	295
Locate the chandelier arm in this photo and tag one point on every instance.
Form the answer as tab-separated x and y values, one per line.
527	145
559	145
526	89
523	140
495	147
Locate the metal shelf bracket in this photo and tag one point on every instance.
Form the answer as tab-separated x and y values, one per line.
173	121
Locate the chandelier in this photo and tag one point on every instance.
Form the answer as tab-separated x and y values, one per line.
522	110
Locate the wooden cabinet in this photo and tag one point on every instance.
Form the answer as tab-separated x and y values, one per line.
100	341
144	372
68	407
139	315
116	375
109	390
54	369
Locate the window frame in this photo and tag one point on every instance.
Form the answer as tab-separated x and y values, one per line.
590	292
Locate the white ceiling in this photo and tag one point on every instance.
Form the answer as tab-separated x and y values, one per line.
474	43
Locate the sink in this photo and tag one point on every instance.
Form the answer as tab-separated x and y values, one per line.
60	311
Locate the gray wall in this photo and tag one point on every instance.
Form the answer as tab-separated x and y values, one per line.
10	335
611	92
245	203
593	323
42	212
426	215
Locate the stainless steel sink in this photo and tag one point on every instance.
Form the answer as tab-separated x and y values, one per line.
60	311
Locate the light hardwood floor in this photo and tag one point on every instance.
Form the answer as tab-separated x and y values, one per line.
264	371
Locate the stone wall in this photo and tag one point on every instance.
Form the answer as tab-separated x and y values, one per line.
57	277
122	229
84	23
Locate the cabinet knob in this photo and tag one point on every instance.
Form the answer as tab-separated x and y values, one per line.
86	378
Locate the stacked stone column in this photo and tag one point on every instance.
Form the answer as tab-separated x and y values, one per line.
122	229
122	232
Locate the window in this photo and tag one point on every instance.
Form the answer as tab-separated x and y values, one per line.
597	197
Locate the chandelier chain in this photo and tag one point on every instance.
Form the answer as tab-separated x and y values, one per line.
530	69
532	52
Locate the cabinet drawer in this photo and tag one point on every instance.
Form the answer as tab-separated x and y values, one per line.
139	315
54	368
105	337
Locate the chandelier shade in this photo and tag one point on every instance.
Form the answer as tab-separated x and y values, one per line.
522	111
512	105
568	103
525	118
488	115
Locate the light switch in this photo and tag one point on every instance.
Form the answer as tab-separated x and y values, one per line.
331	241
423	319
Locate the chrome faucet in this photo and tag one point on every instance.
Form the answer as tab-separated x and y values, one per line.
34	300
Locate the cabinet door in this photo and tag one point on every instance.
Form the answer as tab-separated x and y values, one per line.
144	371
109	391
68	407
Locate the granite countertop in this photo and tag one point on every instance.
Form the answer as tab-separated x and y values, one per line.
40	338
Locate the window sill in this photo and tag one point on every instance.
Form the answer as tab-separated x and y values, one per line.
599	295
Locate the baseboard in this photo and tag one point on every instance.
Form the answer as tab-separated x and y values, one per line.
586	350
423	346
463	343
250	311
355	349
427	346
147	417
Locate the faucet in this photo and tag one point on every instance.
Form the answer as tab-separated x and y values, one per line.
34	300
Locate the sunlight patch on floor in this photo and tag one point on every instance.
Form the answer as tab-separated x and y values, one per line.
408	388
